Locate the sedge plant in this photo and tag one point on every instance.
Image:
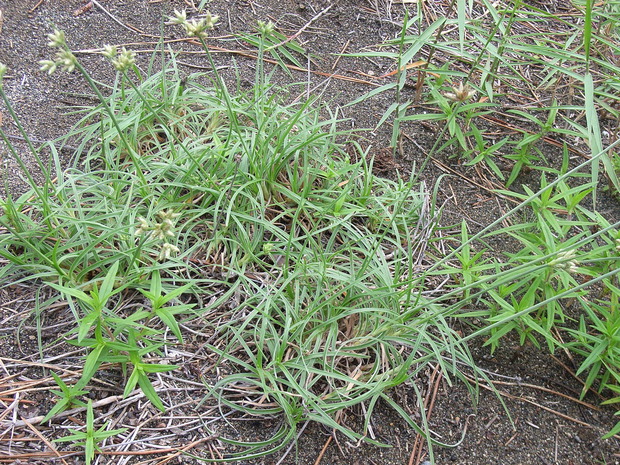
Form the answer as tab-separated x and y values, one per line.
250	208
242	209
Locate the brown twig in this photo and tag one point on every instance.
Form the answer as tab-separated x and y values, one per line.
38	419
342	50
322	453
550	391
572	373
465	178
175	450
429	403
294	36
536	404
291	67
47	443
39	3
247	54
547	139
28	456
83	9
118	21
13	458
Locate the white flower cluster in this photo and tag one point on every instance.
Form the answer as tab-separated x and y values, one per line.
195	27
161	230
460	93
64	58
121	62
565	260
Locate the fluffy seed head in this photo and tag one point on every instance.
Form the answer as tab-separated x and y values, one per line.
460	93
124	61
57	39
166	250
110	51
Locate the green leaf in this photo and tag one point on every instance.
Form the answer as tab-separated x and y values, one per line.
461	18
593	358
67	398
587	30
81	296
149	392
168	318
61	406
107	286
90	416
101	434
157	367
177	292
86	323
77	438
89	449
615	430
155	287
594	135
132	381
91	365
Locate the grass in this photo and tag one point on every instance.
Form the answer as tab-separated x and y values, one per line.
563	244
502	49
184	188
246	214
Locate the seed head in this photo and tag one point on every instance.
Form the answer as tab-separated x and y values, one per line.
142	227
211	20
110	51
48	65
57	39
180	17
124	61
195	28
66	60
168	214
565	260
265	28
461	93
166	251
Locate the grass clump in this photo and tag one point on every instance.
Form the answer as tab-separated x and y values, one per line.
244	212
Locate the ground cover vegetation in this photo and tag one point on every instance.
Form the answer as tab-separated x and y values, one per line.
316	279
